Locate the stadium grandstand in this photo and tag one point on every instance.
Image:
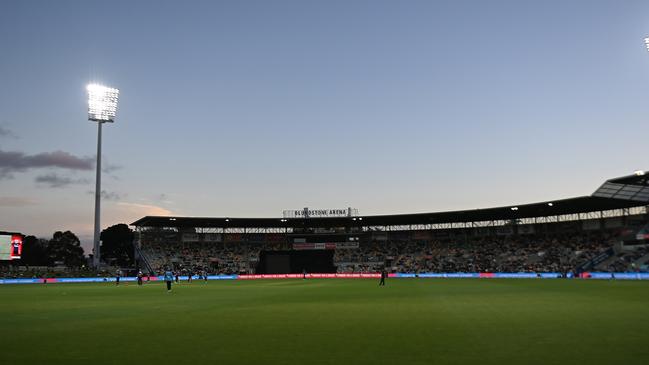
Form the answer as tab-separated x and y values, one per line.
606	231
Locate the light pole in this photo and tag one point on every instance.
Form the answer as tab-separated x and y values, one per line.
102	107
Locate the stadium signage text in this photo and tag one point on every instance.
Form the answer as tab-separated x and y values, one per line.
320	213
325	246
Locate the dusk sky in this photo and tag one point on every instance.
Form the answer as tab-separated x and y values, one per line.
247	108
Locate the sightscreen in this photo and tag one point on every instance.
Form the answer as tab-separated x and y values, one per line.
296	262
278	264
11	246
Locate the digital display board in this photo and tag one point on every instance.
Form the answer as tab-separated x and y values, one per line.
11	246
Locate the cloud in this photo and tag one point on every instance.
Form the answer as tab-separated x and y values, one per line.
4	132
140	210
110	168
109	195
126	212
10	201
18	161
55	181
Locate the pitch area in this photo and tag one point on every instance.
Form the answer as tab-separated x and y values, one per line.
328	321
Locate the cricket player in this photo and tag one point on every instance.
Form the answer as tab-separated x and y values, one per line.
383	275
169	277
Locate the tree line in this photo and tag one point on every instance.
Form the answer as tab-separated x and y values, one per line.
64	249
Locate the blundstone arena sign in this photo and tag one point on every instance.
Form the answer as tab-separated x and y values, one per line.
320	213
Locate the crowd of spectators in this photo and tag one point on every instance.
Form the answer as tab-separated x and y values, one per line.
626	260
557	253
212	257
493	254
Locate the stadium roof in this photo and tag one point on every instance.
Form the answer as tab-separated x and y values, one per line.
624	192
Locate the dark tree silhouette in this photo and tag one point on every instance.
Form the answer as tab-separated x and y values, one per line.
34	252
65	247
117	245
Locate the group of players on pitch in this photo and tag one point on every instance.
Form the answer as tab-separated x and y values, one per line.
171	276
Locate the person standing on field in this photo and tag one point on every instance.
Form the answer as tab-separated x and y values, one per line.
383	275
169	277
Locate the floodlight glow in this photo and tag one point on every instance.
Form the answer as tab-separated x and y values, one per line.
646	42
638	172
102	103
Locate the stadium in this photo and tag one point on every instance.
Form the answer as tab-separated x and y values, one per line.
498	285
603	232
395	135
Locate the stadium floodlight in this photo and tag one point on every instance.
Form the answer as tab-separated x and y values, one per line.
102	108
638	172
102	103
646	43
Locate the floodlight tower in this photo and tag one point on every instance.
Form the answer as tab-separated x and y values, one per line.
102	107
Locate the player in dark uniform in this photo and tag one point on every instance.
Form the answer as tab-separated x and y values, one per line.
177	277
189	276
383	275
139	277
117	275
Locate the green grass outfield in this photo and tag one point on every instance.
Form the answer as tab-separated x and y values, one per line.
328	321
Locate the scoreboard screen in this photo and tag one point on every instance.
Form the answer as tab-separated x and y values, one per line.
11	246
